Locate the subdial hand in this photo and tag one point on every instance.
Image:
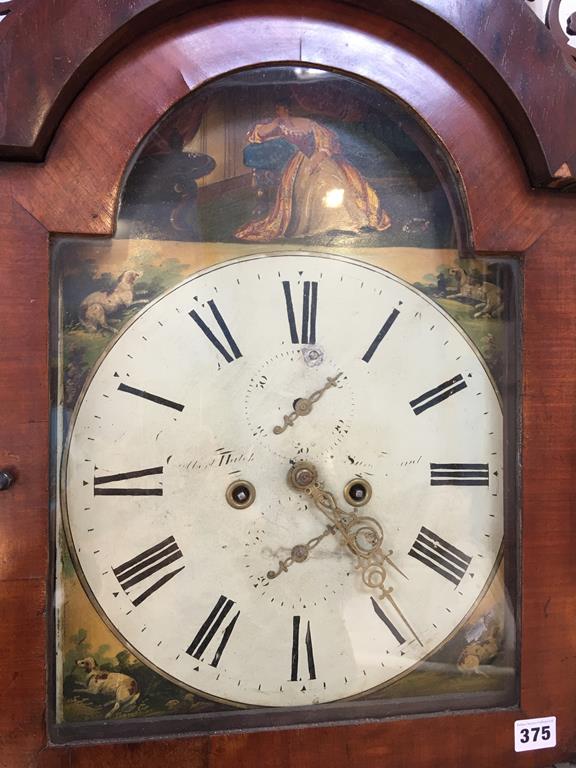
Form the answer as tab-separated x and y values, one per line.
300	553
362	535
303	405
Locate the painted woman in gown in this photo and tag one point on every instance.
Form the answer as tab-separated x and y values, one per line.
319	190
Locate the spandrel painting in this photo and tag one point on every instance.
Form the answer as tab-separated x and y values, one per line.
306	232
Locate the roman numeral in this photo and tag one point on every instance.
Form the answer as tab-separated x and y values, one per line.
380	335
382	616
234	352
296	650
440	556
309	310
459	474
211	626
146	564
104	479
149	396
438	394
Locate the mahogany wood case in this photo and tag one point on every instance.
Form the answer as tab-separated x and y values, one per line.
81	85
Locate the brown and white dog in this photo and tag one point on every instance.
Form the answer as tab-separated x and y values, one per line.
122	689
489	296
96	307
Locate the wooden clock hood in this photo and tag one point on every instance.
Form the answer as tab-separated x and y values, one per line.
500	43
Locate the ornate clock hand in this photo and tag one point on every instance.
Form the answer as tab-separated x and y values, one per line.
362	535
300	553
402	616
304	405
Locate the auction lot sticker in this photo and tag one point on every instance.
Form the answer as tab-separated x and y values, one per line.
537	733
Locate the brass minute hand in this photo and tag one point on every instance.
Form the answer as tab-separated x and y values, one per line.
304	405
362	535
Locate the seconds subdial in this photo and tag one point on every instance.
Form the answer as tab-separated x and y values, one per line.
300	398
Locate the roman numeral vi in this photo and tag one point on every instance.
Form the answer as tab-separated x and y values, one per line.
296	650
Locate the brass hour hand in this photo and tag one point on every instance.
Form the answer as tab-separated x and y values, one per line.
362	535
303	405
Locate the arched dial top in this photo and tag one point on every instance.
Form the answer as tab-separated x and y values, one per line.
239	374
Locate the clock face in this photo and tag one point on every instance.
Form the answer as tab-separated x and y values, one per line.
197	539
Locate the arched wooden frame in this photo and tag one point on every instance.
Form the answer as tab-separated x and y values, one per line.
500	43
76	191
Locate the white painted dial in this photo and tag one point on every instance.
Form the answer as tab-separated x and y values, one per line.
185	402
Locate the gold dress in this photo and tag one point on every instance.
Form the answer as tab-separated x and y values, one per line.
319	190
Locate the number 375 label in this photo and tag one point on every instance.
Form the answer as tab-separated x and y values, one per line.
538	733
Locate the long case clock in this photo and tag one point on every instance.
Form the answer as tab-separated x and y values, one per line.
288	368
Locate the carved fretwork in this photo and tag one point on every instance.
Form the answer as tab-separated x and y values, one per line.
552	13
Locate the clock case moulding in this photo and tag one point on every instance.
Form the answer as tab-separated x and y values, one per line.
500	43
75	191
